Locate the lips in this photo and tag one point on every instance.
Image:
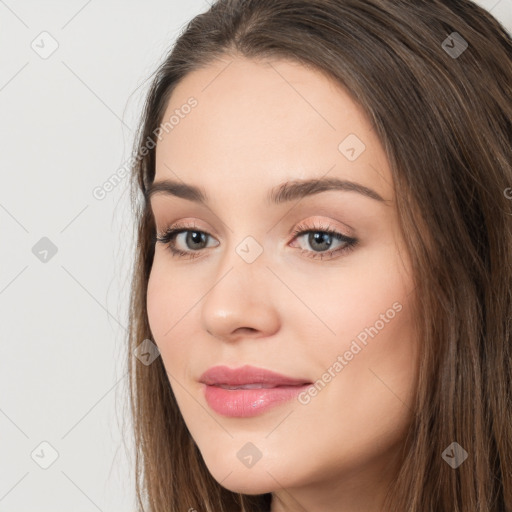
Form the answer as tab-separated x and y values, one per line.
248	391
247	377
247	386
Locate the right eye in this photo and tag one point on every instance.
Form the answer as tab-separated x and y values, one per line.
192	239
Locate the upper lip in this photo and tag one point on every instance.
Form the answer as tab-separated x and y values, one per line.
222	375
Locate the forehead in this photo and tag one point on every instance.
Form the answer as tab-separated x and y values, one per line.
258	123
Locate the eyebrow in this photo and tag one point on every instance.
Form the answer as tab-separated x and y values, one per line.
285	192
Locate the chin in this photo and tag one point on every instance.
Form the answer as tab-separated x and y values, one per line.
243	480
248	485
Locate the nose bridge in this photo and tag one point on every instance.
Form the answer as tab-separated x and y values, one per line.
241	275
239	296
249	250
245	250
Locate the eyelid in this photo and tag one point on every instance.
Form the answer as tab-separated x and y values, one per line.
182	224
310	223
319	223
315	225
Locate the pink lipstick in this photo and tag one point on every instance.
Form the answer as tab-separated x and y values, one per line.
248	391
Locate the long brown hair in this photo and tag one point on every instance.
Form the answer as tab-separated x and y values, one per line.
443	112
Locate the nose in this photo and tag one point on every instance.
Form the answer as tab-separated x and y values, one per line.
240	303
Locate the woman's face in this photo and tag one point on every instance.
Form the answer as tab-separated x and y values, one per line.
332	312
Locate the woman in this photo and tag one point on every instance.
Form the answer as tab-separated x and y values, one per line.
339	339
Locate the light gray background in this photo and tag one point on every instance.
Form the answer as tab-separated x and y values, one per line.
67	123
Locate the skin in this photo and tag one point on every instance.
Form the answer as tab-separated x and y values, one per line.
258	124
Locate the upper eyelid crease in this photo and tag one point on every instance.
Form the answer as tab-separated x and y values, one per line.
285	192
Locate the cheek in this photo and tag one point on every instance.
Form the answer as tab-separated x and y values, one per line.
374	345
170	308
162	301
369	311
155	302
372	291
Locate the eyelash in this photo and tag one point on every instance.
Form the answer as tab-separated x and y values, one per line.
168	236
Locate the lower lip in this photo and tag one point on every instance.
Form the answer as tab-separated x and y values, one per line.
244	403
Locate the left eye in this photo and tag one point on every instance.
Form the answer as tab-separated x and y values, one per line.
321	238
321	241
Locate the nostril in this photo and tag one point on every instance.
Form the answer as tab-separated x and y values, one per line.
245	330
